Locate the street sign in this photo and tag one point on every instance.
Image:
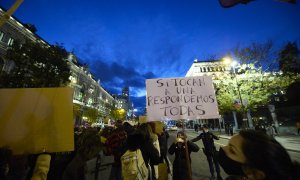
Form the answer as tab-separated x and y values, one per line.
181	98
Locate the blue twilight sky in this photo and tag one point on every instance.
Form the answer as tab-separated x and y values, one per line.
125	42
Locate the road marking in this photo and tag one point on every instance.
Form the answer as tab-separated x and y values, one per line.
220	144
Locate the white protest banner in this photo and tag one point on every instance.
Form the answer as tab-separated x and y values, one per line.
181	98
34	119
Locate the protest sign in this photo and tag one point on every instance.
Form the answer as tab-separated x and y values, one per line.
181	98
33	119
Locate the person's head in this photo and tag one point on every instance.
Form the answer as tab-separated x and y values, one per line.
205	128
157	127
134	141
181	135
119	123
90	144
146	130
256	156
128	127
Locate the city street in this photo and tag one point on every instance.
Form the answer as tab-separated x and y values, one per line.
82	77
200	169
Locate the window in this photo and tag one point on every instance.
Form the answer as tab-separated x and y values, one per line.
1	36
10	42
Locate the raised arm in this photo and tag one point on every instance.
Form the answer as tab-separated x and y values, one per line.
197	138
215	137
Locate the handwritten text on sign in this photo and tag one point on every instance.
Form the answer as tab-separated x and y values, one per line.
181	98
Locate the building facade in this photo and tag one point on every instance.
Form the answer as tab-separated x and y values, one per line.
88	95
215	68
11	31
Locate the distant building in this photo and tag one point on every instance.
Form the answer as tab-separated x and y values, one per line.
125	92
214	68
123	102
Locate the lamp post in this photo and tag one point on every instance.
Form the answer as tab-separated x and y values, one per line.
233	65
245	122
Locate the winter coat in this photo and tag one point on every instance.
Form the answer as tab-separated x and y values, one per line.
163	142
150	153
180	170
75	169
208	141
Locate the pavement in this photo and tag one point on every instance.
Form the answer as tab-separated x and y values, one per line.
289	141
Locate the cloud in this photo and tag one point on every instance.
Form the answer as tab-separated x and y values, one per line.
114	76
139	103
130	60
123	72
149	75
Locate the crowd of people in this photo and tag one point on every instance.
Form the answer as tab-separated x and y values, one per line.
100	154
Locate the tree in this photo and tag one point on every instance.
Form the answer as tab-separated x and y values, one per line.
118	114
91	114
253	79
289	60
292	93
35	65
76	110
226	95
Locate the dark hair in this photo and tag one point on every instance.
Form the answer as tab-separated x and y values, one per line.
5	157
89	141
181	133
134	141
145	130
205	126
152	125
266	154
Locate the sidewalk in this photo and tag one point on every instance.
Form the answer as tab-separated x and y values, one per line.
289	142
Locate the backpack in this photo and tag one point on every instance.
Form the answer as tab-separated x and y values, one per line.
133	166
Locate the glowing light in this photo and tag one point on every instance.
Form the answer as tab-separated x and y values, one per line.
227	60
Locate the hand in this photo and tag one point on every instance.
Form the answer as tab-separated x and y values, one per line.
179	140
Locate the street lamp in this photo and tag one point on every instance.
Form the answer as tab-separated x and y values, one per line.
233	64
